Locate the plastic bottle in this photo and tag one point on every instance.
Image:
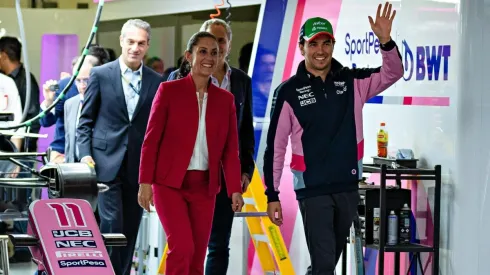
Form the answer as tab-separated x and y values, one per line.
382	141
392	228
405	229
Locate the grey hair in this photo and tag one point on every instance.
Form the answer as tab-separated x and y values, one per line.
138	23
216	21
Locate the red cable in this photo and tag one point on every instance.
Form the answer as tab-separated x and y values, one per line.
217	10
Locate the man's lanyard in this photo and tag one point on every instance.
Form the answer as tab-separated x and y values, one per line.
137	91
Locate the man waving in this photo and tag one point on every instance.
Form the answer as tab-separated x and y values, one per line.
320	108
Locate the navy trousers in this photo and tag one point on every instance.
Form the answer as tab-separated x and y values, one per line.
119	212
219	241
327	220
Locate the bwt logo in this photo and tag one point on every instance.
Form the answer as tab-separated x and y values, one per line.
427	62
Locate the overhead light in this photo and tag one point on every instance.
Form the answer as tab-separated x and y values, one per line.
448	1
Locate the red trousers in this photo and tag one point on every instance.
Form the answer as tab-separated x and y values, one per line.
187	216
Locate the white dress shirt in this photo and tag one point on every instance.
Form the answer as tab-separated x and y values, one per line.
79	108
76	125
226	83
130	95
199	159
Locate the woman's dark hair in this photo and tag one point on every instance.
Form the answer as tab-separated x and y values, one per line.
185	67
179	61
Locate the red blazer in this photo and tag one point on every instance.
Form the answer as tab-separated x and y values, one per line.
172	130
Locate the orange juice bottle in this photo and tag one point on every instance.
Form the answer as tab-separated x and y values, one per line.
382	141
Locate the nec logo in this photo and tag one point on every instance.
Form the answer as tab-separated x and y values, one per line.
76	243
306	95
427	62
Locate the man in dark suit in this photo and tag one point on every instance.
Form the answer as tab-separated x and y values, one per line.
239	84
111	130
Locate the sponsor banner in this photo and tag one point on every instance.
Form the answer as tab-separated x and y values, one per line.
70	239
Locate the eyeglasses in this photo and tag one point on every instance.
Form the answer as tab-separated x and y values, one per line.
81	81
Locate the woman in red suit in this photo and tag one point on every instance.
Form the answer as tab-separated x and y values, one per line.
191	135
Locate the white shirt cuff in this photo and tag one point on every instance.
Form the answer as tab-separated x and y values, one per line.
44	107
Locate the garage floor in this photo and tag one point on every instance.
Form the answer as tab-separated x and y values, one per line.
22	269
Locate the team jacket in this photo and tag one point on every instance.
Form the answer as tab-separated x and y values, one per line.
324	122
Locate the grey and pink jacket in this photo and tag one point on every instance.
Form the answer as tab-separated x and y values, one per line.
324	122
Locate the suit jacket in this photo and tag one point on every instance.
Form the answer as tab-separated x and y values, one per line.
241	88
71	107
105	131
172	131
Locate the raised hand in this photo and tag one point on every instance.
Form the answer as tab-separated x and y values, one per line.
382	26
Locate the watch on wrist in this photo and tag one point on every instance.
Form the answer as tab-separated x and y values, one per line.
384	44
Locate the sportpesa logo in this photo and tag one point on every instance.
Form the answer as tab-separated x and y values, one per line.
426	62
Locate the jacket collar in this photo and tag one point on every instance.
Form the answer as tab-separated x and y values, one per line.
125	68
305	75
15	73
190	83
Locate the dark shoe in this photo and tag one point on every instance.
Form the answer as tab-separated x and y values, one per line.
308	271
21	256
